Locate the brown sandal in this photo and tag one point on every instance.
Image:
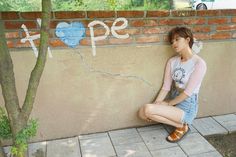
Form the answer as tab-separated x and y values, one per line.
178	134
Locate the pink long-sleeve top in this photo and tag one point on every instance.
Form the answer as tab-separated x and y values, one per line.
187	75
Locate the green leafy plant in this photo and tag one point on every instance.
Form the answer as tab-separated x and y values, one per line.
21	138
75	5
112	4
5	129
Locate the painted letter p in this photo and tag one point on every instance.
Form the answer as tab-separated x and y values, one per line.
97	38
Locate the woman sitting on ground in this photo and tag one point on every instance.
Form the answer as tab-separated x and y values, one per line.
186	70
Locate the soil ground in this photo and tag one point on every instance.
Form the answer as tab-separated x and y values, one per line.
225	144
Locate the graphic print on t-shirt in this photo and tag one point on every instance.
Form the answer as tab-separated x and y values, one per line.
178	75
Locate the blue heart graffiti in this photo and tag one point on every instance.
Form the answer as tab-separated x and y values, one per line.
70	34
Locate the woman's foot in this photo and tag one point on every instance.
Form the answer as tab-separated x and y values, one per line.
178	134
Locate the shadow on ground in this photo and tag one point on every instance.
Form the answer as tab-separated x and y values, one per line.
225	144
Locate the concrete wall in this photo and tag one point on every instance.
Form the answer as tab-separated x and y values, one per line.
80	93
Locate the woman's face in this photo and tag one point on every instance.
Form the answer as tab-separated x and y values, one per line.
179	44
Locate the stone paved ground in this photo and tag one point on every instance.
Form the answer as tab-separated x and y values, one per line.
146	141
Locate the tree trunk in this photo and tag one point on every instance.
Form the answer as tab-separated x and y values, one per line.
7	79
41	60
19	117
171	4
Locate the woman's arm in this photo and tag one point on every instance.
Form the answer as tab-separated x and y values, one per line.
161	96
178	99
195	79
166	85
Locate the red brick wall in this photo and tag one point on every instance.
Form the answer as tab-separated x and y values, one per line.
143	26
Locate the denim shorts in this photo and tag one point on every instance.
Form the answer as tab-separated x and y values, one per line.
189	106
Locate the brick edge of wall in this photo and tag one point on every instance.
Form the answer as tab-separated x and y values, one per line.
143	26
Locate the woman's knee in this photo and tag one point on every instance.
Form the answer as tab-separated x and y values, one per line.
141	113
153	109
148	108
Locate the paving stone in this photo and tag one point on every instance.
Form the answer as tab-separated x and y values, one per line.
66	147
151	127
37	149
126	136
195	144
156	139
208	154
208	126
192	129
132	150
97	146
89	136
227	121
169	128
169	152
7	150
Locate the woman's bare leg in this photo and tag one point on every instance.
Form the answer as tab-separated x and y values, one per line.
168	115
162	113
141	113
165	121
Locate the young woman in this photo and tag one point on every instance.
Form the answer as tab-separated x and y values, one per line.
186	70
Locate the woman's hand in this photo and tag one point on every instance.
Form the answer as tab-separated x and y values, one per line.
165	103
158	102
161	103
149	120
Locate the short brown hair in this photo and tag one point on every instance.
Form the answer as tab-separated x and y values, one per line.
183	32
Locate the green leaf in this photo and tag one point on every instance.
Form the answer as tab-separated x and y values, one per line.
5	129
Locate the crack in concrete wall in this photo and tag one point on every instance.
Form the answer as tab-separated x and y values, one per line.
91	69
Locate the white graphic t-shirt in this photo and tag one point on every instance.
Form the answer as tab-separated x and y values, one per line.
187	75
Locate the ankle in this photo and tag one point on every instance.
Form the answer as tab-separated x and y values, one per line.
183	127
